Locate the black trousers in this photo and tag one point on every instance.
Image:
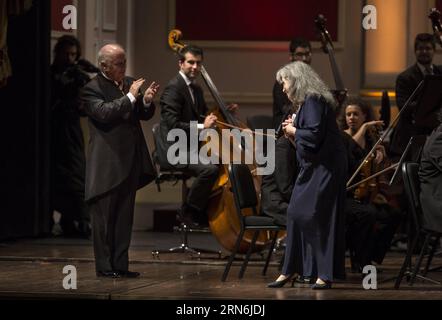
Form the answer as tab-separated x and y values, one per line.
205	177
360	236
370	230
112	220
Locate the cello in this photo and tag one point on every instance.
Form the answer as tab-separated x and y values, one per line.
340	93
221	211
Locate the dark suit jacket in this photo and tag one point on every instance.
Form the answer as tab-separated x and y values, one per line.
177	110
430	176
116	137
406	83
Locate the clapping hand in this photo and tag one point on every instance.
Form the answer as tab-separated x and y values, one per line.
151	92
135	87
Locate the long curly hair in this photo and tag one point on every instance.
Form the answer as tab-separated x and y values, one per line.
304	82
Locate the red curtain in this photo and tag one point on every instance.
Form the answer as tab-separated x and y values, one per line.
254	20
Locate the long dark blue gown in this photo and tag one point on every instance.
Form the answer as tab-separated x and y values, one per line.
317	201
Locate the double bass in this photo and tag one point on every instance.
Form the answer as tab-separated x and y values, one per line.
221	211
340	93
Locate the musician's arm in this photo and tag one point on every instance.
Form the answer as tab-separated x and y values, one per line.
171	108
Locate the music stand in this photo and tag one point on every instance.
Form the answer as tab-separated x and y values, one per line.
404	155
429	103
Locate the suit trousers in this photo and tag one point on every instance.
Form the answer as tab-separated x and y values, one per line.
205	177
112	220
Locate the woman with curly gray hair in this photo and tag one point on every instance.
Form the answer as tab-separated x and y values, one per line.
316	204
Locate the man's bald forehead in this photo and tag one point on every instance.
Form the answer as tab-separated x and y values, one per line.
112	49
110	52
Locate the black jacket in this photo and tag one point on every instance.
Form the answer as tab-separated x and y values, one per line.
177	111
430	176
406	83
116	137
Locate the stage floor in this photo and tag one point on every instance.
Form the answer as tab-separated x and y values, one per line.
34	269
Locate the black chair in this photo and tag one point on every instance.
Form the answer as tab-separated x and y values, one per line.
412	189
170	174
245	197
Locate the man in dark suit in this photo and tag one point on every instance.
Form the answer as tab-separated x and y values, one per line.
406	83
118	160
182	102
430	176
299	50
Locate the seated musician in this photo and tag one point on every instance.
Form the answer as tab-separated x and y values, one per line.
182	102
430	176
276	191
371	222
276	188
406	83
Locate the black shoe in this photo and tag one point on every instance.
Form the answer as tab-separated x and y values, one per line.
128	274
324	286
279	284
108	274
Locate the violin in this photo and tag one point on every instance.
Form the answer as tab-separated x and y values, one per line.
368	190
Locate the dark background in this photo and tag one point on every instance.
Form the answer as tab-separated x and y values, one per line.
24	137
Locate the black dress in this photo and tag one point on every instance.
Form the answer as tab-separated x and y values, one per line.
317	202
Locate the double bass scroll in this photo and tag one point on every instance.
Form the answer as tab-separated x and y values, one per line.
340	92
434	16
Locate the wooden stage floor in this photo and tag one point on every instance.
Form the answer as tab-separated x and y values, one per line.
33	269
